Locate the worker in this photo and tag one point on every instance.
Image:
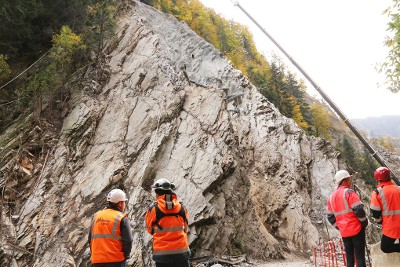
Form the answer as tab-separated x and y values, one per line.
110	236
166	220
346	212
385	208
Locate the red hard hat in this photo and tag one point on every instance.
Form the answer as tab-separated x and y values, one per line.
382	174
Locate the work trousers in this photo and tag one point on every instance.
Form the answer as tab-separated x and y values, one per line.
388	245
355	245
173	264
173	260
110	264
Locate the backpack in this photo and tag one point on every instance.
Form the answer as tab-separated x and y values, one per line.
160	215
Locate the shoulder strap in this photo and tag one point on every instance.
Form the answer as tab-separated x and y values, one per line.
160	215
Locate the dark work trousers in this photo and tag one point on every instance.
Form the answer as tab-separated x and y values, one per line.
173	260
173	264
355	245
110	264
388	245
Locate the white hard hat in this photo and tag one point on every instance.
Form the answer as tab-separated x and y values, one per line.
116	195
340	175
163	184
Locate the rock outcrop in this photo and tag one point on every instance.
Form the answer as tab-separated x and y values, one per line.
167	104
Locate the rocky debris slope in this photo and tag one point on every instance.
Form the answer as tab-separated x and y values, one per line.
167	105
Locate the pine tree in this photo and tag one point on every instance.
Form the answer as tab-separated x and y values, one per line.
349	153
367	166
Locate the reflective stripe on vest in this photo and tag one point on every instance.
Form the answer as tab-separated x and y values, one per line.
169	252
386	211
170	229
346	205
114	230
377	208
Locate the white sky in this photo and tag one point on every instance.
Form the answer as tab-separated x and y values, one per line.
338	43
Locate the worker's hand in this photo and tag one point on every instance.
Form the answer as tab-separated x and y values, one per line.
364	223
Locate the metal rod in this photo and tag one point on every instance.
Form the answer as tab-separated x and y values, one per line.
374	153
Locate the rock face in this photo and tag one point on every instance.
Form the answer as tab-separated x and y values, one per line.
172	107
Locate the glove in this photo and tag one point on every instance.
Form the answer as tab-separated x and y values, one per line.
364	223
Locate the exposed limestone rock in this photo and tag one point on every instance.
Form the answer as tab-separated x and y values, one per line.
172	107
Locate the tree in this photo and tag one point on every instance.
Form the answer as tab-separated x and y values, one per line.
367	166
101	23
385	141
349	153
65	45
321	122
26	27
39	86
16	31
391	68
48	80
298	117
5	71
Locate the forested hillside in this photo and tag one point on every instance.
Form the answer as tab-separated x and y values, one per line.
41	44
46	43
81	26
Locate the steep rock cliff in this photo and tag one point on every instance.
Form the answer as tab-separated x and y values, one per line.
166	104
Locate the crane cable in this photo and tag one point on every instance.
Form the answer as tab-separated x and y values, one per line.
374	153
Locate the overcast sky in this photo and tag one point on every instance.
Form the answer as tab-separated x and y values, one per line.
338	43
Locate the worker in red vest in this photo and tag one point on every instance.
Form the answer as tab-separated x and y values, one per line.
166	221
385	208
110	236
346	212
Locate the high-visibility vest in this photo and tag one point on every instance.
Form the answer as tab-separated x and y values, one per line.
169	232
340	204
106	240
386	198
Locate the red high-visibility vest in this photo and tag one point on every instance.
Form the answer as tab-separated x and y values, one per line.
106	240
172	238
387	200
340	204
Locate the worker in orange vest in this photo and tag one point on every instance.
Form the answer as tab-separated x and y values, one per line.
110	236
385	208
346	212
166	221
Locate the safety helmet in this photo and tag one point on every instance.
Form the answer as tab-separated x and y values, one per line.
382	174
340	175
116	195
163	184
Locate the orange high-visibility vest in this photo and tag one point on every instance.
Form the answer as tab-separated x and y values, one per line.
340	204
106	240
171	238
387	200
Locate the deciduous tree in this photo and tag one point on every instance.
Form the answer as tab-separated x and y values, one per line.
321	122
391	68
